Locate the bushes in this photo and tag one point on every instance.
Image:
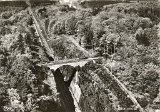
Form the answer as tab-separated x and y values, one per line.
64	8
151	75
141	37
134	73
145	23
59	27
3	95
29	20
6	15
153	91
16	104
149	59
64	48
150	10
142	101
70	24
5	31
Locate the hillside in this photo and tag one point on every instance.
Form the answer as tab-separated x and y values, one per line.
20	51
126	35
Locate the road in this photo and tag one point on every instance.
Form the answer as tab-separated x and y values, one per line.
41	32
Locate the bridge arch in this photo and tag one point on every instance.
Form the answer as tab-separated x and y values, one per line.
71	68
66	87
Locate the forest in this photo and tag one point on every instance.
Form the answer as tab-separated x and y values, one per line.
125	34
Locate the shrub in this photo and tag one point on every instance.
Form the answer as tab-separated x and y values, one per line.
150	10
149	59
29	20
6	15
142	101
64	8
3	95
141	37
145	23
134	73
151	75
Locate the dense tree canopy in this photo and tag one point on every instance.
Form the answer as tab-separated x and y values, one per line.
124	33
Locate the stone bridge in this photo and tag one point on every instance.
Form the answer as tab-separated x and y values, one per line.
70	91
68	87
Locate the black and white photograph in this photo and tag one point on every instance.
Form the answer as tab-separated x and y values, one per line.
79	55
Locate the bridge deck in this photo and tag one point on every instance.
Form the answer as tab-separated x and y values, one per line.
72	62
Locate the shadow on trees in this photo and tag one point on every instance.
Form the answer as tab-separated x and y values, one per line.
66	100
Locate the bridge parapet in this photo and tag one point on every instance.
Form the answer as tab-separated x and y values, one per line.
71	62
